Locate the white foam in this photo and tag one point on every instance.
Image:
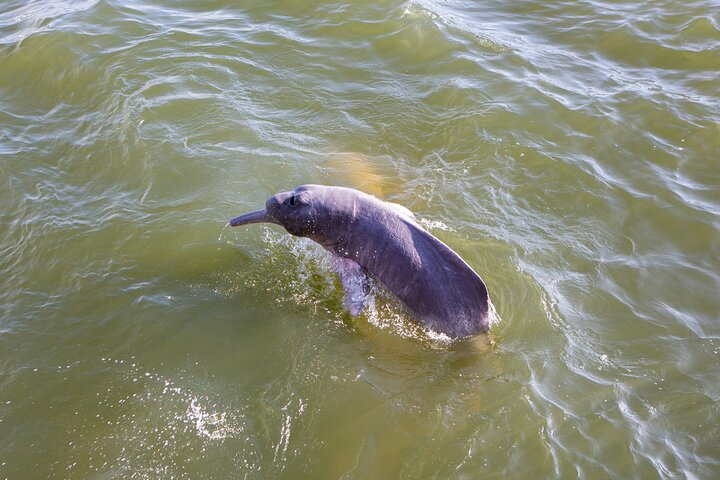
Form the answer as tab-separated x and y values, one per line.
210	424
493	316
435	225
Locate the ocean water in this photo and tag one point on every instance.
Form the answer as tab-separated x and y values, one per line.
568	151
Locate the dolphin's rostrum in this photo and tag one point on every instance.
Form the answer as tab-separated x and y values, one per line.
438	287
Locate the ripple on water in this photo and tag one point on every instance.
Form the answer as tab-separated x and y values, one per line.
567	147
30	18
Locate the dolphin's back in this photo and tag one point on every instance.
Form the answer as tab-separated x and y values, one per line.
449	294
431	279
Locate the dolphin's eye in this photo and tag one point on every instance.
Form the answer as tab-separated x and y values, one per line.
291	201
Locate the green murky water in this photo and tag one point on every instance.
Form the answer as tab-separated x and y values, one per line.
570	152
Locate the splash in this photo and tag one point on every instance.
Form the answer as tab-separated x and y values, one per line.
435	225
493	315
309	278
380	307
210	424
222	232
144	424
206	419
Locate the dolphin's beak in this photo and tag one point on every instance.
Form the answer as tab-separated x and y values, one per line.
261	216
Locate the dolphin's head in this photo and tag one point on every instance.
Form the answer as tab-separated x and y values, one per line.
313	211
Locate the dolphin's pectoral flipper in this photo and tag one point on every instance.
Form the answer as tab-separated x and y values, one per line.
354	283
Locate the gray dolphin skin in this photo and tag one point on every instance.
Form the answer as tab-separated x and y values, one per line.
438	287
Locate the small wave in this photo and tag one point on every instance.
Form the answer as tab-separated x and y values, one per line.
36	17
486	38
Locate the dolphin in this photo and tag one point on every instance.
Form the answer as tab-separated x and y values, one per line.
383	239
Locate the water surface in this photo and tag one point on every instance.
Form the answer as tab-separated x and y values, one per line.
567	151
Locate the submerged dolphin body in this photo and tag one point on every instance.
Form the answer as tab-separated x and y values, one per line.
382	238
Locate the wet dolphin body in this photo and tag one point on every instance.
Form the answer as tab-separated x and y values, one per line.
382	238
